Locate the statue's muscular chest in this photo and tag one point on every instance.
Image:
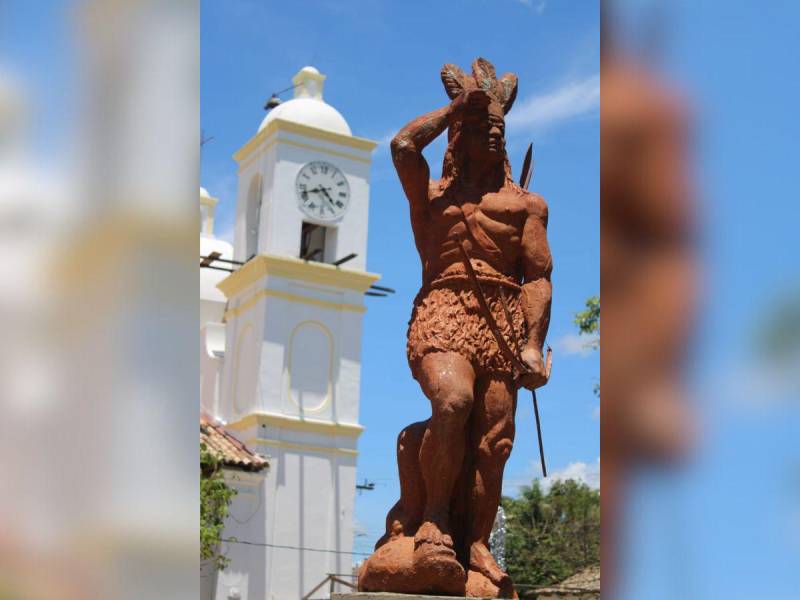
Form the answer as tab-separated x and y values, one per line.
501	215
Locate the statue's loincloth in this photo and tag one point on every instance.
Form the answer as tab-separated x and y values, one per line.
447	318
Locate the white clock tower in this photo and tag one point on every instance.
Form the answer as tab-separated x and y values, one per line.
291	378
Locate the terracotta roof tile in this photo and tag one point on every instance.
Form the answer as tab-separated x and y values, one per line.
233	452
583	584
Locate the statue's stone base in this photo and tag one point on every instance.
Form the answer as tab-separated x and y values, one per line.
391	596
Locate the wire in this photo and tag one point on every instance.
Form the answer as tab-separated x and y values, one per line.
264	545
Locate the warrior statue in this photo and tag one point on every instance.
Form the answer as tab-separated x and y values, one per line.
475	337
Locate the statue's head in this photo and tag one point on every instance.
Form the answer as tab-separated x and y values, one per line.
477	133
482	134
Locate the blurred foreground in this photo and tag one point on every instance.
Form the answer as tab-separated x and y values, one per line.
99	150
700	296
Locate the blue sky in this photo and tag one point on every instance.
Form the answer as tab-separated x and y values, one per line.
729	526
382	60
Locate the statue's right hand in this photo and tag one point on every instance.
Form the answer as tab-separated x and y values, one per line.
470	102
538	368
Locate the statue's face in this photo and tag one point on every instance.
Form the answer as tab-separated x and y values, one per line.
484	135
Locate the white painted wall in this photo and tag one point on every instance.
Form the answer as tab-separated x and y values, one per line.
277	163
285	223
306	501
212	354
212	331
292	358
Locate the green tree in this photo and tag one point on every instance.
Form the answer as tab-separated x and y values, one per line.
588	322
552	535
778	338
215	499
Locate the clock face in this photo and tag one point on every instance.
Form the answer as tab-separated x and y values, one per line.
322	191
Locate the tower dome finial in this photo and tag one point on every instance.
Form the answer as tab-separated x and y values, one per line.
307	107
309	82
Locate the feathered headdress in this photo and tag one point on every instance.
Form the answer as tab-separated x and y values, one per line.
503	91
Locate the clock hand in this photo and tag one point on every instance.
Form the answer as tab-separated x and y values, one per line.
321	190
325	191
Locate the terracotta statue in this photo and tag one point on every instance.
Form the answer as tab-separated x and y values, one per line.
475	336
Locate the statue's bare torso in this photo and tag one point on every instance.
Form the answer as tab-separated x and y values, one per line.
501	215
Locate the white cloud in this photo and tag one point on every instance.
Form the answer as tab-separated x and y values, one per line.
755	385
588	473
537	6
568	101
385	139
577	471
573	343
596	413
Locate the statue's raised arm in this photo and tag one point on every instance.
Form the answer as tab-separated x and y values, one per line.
407	146
411	140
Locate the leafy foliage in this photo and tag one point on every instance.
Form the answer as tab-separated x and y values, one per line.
588	321
778	339
552	535
215	499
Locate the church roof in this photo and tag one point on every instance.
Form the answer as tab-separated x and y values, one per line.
233	452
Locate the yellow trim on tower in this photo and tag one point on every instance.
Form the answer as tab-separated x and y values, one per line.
254	156
208	226
265	265
296	424
324	150
300	447
275	125
289	297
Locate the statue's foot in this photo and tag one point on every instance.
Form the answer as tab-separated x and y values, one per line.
482	561
429	533
394	531
437	569
479	586
401	567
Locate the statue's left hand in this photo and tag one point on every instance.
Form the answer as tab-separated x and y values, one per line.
539	368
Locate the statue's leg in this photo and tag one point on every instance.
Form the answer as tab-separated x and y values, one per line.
412	485
492	435
447	379
405	516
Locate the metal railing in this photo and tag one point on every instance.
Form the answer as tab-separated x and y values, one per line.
332	579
